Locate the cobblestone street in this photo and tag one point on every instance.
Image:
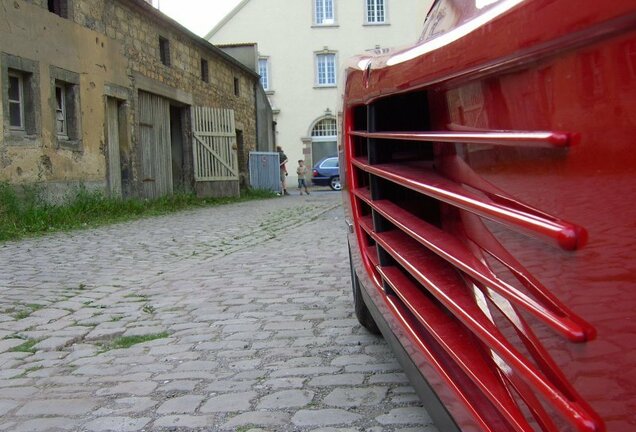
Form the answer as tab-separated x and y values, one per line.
246	316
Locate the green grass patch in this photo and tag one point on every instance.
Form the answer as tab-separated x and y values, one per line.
137	297
25	213
25	313
27	371
128	341
26	346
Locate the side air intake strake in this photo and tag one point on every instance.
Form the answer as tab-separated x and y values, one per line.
420	216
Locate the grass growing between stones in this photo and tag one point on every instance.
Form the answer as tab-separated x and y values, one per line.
26	347
27	372
128	341
25	213
25	313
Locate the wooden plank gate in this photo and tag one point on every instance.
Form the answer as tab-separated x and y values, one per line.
154	133
214	144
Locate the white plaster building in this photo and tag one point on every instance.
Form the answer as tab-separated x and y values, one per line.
302	45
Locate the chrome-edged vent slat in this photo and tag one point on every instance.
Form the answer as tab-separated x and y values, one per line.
442	281
451	336
487	416
540	139
421	178
449	248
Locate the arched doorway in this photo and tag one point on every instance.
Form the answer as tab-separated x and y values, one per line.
324	139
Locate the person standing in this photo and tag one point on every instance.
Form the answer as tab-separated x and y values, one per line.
282	157
302	172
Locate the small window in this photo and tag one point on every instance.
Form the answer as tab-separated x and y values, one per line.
326	127
204	71
263	71
61	120
375	12
65	106
16	101
19	81
59	7
164	50
326	69
237	86
323	12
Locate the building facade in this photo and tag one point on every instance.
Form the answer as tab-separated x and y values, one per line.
301	47
117	96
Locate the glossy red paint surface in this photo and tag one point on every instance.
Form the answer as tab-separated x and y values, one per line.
533	67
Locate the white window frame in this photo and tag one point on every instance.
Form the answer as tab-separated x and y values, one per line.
60	111
324	12
19	101
320	60
264	72
371	15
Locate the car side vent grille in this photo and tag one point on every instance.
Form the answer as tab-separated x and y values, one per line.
420	221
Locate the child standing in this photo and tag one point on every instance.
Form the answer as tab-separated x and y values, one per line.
302	172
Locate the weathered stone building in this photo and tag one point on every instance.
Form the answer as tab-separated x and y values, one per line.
115	95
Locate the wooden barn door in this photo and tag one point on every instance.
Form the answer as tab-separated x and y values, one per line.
156	152
214	144
113	134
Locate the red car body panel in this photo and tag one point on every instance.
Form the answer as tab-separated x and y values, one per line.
515	297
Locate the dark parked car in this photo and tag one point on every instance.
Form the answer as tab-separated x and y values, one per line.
489	175
327	173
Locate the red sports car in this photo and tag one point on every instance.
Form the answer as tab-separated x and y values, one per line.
489	176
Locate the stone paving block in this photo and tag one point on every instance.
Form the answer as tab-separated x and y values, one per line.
337	380
15	382
60	407
55	343
258	418
11	373
324	417
286	399
280	383
405	399
231	402
50	314
224	345
187	375
304	371
131	376
18	393
46	424
230	386
7	405
119	424
347	360
289	325
408	415
178	386
353	397
180	422
136	388
373	368
388	378
127	405
200	365
181	405
244	364
104	333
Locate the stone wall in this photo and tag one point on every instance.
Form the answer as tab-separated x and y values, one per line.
121	40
